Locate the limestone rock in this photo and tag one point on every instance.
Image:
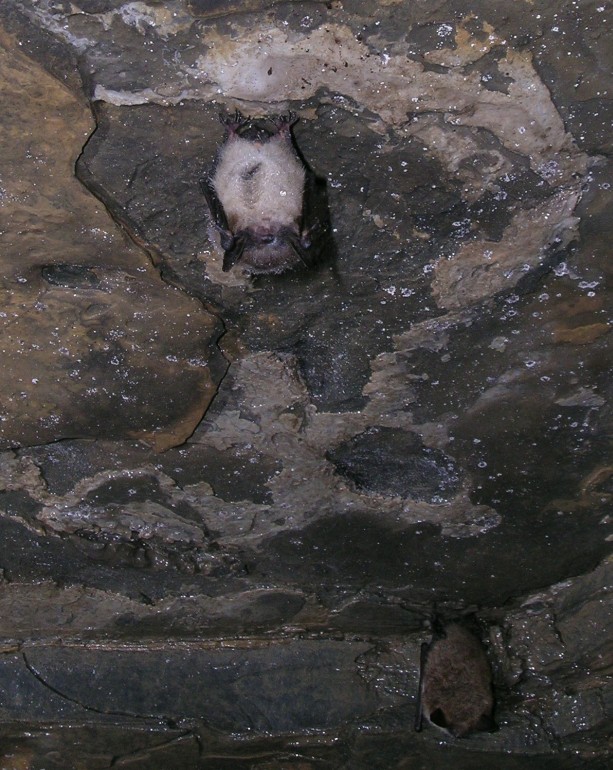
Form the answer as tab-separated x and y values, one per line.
93	342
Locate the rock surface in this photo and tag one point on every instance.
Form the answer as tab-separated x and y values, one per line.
230	506
94	343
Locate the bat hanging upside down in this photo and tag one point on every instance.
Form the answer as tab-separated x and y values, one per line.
257	197
455	688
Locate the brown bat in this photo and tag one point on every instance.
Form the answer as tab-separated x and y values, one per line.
258	195
455	686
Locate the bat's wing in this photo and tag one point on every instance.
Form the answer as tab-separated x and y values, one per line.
301	247
311	219
217	211
422	665
311	227
308	200
233	246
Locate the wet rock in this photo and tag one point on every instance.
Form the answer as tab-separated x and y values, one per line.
483	269
86	613
244	689
394	462
213	8
489	176
94	343
421	421
69	276
96	746
375	618
576	80
99	374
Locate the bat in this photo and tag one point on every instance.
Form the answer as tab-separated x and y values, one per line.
455	687
258	193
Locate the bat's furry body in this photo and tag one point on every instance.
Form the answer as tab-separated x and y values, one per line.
256	194
455	689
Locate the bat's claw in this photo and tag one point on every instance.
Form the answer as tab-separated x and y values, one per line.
233	123
283	123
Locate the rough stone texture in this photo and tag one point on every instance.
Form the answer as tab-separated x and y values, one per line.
229	506
395	462
93	342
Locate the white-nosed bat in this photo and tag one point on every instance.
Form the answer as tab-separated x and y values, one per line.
257	197
455	687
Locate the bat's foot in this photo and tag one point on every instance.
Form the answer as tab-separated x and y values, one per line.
283	123
233	123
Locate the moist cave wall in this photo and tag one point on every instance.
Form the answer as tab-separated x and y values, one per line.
230	506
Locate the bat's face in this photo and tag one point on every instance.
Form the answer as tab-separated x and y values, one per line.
271	250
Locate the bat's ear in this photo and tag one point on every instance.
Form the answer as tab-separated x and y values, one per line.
227	239
233	253
311	234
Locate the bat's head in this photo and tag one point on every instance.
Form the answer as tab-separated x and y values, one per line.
266	249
